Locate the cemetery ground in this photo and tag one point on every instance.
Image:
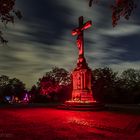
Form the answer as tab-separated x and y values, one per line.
40	122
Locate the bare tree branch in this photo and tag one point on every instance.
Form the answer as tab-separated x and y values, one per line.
7	14
121	8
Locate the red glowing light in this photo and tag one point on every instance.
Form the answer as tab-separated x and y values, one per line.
75	31
82	27
82	76
87	25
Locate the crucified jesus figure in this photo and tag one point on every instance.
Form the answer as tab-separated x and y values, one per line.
80	45
79	31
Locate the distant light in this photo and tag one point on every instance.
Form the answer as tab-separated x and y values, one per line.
8	98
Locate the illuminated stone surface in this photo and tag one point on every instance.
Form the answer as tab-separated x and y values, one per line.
82	85
81	76
82	96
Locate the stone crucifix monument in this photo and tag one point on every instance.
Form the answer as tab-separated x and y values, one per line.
82	75
82	96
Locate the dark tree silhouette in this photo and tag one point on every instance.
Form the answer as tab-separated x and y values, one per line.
120	8
110	87
4	81
127	87
17	87
34	93
131	81
11	87
104	80
8	13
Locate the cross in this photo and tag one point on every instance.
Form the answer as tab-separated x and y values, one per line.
80	34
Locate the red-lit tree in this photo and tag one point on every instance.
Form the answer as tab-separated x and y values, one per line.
54	83
8	14
121	8
48	85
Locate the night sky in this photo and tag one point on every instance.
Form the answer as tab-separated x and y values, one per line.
42	39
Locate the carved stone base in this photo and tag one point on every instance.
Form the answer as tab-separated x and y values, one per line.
82	96
82	82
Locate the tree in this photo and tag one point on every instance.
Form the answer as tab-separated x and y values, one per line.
34	93
54	83
17	88
121	8
127	87
131	77
131	84
11	87
60	75
47	84
4	81
8	13
104	80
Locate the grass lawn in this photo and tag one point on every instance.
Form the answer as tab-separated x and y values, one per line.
44	123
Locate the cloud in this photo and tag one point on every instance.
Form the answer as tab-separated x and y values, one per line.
29	59
43	39
123	30
121	66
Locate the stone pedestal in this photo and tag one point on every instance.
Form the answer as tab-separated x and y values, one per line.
82	96
82	85
82	78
